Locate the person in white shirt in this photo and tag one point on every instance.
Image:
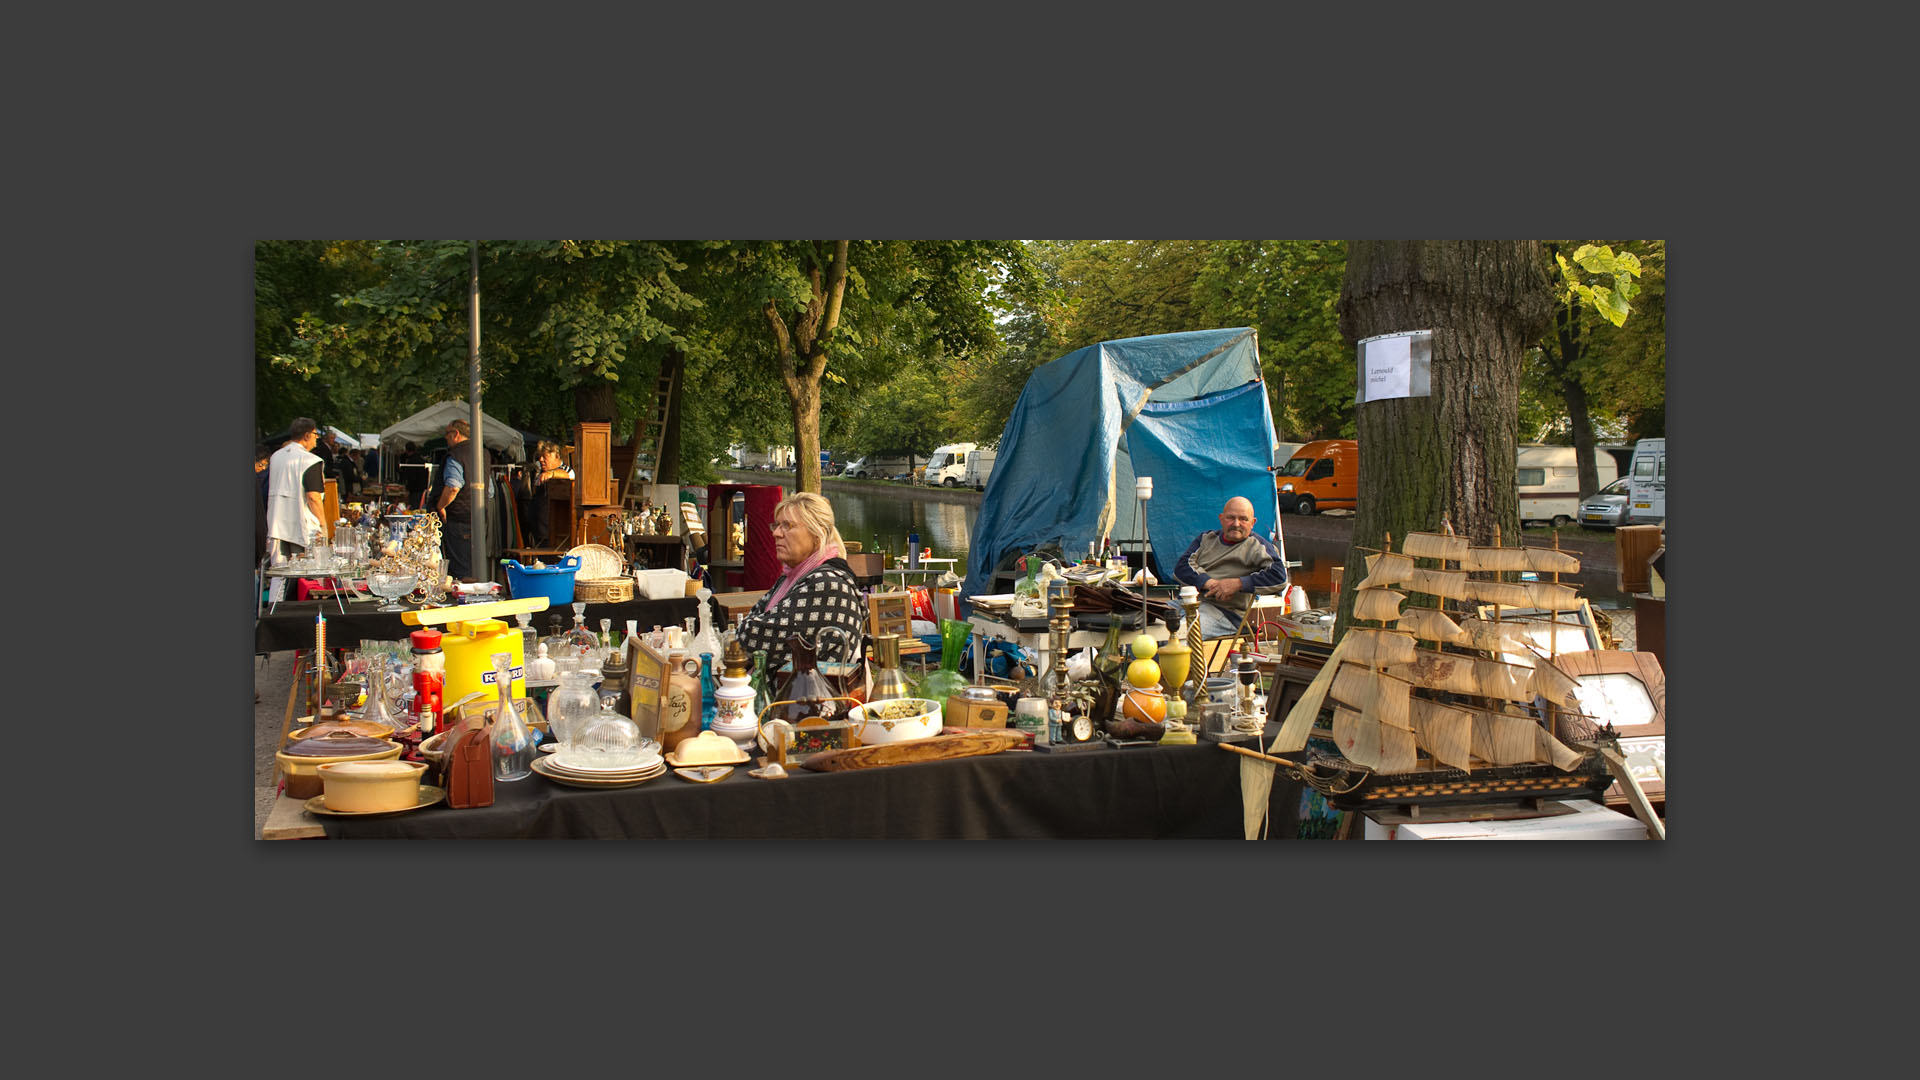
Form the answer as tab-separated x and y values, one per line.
296	490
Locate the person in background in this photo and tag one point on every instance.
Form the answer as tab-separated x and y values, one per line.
1228	566
262	454
355	473
296	489
815	595
370	465
453	501
547	465
414	475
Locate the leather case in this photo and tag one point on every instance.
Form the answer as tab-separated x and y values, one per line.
470	771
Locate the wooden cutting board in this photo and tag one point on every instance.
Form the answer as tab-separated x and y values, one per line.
937	748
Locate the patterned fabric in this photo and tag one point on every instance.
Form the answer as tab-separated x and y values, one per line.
826	597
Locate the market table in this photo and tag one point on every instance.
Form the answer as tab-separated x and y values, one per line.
291	626
1162	792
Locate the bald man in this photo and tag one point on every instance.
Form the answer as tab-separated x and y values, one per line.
1228	567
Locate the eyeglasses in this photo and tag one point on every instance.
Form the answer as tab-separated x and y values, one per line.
783	526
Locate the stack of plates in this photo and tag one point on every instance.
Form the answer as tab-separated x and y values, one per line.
579	770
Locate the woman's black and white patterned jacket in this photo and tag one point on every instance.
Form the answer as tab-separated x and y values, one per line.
826	597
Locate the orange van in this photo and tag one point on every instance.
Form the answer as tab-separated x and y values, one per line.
1322	475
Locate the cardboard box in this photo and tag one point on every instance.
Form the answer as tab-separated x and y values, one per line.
1590	821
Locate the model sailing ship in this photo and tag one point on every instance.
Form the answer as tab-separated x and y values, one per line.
1432	707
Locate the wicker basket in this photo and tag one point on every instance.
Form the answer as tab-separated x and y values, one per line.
603	577
603	590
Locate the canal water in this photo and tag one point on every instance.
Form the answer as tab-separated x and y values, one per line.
879	520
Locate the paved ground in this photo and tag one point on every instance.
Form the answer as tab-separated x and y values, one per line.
272	679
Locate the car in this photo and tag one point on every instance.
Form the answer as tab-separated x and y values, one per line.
1606	508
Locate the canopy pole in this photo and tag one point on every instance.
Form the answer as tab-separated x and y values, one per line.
480	476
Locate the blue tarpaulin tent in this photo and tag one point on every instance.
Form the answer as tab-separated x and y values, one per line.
1189	410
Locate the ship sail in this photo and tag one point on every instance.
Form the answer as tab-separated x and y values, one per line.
1366	740
1466	675
1386	568
1504	593
1552	683
1379	648
1431	624
1506	739
1379	605
1488	635
1548	596
1451	584
1538	560
1443	731
1422	545
1495	558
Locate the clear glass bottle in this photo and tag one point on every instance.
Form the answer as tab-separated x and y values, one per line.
606	634
511	739
529	637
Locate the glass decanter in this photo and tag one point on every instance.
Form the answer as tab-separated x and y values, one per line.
581	643
807	694
377	711
511	739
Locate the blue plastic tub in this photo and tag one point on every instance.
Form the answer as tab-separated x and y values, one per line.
555	583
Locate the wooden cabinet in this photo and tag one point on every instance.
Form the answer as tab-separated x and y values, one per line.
593	446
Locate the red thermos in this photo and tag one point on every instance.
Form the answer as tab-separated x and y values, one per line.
429	678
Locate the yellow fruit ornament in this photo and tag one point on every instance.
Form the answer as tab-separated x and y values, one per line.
1144	647
1143	673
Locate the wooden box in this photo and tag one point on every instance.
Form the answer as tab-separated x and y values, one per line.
593	449
1633	546
890	613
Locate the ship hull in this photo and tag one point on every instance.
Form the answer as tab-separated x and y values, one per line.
1495	783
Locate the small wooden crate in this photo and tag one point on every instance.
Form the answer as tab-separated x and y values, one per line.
890	613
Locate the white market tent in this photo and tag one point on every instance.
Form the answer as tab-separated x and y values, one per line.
431	422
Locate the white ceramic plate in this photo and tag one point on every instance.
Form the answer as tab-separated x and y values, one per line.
544	768
592	765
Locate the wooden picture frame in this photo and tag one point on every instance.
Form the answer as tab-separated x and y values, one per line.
1636	685
890	613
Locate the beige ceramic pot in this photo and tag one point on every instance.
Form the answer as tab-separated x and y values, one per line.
362	787
300	761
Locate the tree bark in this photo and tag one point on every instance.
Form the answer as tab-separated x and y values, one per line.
1449	457
593	400
667	469
802	352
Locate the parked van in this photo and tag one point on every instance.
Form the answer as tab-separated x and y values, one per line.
1548	481
1647	502
979	467
1321	475
948	465
875	466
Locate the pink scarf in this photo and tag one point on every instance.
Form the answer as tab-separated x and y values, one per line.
794	574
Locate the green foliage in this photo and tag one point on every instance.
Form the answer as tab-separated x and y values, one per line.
1611	303
1614	372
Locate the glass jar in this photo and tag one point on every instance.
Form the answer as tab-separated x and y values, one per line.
572	705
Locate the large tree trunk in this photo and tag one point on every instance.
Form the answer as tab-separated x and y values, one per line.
1564	366
1448	457
667	469
802	352
593	400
